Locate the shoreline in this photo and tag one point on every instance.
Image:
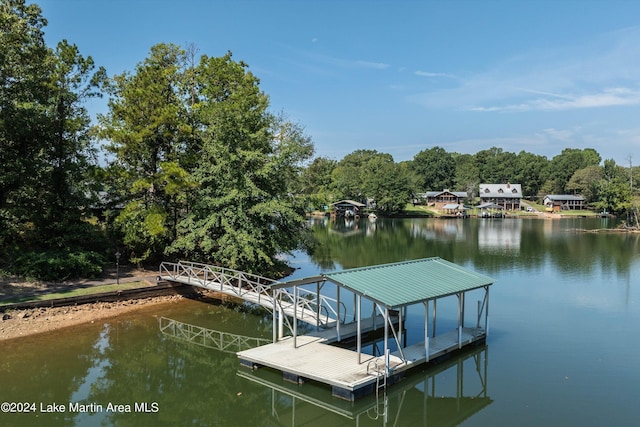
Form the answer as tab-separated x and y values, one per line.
34	321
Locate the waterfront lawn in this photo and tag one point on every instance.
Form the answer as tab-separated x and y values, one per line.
76	292
418	210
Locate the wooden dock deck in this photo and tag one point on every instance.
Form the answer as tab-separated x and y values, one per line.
315	359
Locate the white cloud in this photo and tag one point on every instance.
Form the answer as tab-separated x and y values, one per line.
566	135
607	98
366	64
322	59
431	74
603	72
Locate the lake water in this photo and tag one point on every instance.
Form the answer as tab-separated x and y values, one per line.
563	347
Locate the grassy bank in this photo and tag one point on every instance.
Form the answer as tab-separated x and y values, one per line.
75	292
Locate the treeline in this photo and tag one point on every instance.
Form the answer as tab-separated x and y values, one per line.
367	175
198	166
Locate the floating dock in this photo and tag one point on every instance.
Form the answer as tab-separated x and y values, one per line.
389	288
446	394
364	303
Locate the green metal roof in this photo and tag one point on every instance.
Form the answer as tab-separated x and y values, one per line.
410	282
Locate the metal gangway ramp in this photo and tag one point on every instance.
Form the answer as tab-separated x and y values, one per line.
310	307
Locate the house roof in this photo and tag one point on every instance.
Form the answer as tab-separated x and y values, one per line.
348	202
501	190
560	197
461	194
489	206
455	206
404	283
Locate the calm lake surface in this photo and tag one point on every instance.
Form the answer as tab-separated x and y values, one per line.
563	347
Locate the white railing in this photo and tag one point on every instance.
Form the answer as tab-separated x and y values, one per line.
256	289
209	276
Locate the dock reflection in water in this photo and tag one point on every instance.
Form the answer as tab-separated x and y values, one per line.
445	394
209	338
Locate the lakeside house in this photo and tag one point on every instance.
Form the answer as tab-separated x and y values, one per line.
440	199
507	196
563	202
347	208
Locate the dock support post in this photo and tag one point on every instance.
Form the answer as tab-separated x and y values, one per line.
295	316
359	328
338	311
433	328
318	302
386	338
459	321
274	321
374	313
462	297
486	312
280	323
426	330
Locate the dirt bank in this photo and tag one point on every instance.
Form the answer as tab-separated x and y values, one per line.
20	323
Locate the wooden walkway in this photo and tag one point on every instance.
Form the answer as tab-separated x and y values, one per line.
315	359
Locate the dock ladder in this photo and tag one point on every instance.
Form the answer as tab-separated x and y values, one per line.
380	371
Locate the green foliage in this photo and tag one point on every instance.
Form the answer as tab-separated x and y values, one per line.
614	192
143	230
243	212
58	265
45	139
467	176
495	165
435	169
369	175
586	182
562	167
529	170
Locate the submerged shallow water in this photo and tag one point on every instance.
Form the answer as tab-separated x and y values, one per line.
562	348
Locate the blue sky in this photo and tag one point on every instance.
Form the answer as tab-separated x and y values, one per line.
400	77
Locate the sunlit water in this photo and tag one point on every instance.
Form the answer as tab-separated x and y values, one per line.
563	347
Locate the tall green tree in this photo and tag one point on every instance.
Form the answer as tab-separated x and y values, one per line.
148	130
348	174
435	168
46	148
467	176
242	214
315	182
24	74
614	192
565	164
387	184
70	157
586	182
529	170
495	165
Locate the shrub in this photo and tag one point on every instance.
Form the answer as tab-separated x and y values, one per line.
58	265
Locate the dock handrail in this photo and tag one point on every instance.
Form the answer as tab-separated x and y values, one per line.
379	373
254	288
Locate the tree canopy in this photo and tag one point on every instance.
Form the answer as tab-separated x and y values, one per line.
198	166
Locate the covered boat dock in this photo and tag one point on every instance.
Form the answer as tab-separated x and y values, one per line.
385	291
